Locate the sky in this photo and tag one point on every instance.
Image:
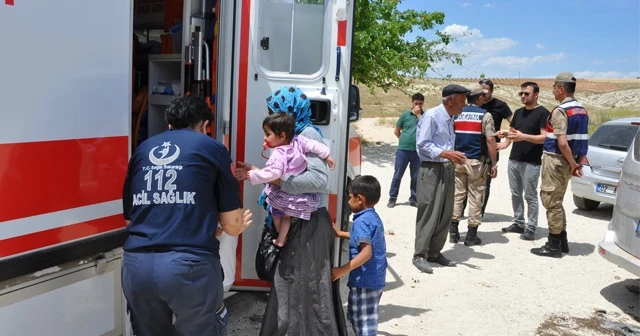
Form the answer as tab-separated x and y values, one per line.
515	38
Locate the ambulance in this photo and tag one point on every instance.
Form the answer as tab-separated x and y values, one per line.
83	82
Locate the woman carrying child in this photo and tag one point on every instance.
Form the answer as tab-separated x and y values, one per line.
287	159
303	299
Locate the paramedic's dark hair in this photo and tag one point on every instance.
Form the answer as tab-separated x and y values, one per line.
367	186
186	112
281	122
417	96
534	85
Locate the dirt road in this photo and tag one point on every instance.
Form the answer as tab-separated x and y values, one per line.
498	288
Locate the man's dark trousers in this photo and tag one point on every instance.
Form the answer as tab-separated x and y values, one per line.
404	158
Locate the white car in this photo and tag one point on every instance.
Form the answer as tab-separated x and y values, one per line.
621	243
608	147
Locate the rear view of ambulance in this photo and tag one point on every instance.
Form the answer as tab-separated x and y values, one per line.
82	83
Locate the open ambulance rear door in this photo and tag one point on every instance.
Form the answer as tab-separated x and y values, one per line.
65	102
304	43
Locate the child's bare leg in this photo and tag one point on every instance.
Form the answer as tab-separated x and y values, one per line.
285	223
276	222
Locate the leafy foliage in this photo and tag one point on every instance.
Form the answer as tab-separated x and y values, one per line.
383	57
311	2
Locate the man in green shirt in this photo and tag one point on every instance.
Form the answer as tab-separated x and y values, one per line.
406	154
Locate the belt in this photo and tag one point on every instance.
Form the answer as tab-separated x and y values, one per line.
484	159
432	163
152	250
575	157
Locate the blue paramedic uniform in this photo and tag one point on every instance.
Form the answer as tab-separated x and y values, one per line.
176	185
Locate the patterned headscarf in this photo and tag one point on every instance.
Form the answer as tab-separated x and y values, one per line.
291	100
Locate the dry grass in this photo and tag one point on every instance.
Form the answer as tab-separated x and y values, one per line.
584	85
386	122
363	140
599	116
635	81
389	105
392	103
383	105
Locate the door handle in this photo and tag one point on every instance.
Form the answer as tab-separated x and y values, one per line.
264	43
338	61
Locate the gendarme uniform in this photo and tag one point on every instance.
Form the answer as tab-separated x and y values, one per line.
571	119
472	128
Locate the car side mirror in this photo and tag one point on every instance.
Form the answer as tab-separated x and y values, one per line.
354	103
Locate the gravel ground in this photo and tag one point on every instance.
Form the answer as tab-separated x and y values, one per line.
498	288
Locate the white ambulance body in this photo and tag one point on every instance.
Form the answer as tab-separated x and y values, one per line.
66	135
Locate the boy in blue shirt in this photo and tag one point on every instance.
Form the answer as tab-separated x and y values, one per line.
367	264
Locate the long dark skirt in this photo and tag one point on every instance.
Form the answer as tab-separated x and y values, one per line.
303	300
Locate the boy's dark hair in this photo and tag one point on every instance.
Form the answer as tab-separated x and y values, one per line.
367	186
281	122
417	96
534	85
186	112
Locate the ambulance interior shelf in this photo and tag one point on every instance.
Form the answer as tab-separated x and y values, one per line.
168	74
165	78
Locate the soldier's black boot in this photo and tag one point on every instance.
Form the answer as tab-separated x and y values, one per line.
551	248
472	236
454	234
564	243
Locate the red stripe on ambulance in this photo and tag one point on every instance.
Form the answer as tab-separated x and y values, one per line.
332	207
243	72
37	240
47	176
355	151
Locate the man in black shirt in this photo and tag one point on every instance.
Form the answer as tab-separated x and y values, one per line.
528	131
499	110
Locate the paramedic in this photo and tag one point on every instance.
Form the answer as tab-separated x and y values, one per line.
179	185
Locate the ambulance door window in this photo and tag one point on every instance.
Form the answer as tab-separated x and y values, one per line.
292	36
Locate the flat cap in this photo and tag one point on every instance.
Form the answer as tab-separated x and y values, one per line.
453	89
565	77
477	89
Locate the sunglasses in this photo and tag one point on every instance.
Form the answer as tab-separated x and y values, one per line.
486	82
526	94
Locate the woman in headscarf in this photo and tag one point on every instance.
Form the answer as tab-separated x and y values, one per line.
303	299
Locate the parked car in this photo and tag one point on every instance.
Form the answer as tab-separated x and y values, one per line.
608	147
621	243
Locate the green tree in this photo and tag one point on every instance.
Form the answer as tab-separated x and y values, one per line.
311	2
383	57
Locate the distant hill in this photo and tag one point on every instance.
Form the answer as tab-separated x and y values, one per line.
595	85
597	94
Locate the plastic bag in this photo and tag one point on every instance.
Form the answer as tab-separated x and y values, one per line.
267	255
228	246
